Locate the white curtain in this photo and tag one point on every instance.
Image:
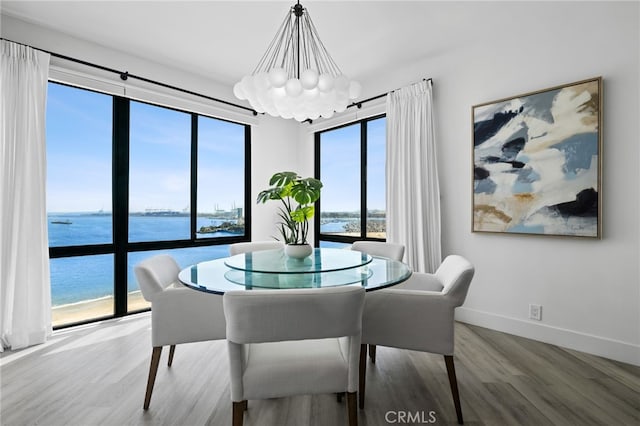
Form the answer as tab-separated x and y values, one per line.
25	293
413	194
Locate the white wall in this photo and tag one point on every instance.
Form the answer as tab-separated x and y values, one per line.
274	148
589	289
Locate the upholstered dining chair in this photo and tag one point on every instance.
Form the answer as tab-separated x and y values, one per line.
291	342
384	249
380	248
175	309
418	315
238	248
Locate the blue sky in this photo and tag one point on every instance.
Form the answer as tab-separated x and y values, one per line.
340	167
78	150
79	127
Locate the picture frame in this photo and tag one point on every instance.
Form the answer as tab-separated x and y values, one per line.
537	160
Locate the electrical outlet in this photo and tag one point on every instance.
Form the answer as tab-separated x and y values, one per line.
535	312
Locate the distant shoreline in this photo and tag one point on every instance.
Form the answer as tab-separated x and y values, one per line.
217	215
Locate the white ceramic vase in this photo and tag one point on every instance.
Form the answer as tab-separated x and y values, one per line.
298	251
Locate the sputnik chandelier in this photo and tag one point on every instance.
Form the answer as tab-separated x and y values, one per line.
296	77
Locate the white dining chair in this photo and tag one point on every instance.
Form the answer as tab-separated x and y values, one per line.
418	315
178	314
382	249
291	342
246	247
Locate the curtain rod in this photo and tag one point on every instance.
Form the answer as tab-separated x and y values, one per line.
125	75
382	95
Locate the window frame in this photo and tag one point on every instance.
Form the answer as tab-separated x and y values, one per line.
120	246
363	183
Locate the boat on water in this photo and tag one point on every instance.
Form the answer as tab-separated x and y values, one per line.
62	222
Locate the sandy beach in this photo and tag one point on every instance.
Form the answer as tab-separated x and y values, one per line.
82	311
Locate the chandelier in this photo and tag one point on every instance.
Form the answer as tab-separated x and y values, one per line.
296	77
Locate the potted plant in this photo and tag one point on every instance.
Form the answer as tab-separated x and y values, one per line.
297	196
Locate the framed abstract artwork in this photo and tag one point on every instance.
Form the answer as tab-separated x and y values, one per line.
537	162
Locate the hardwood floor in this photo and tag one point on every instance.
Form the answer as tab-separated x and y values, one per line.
96	375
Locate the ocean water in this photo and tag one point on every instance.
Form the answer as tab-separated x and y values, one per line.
81	278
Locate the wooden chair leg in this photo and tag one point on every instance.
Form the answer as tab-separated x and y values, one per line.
238	412
153	369
372	353
453	382
172	350
362	374
351	409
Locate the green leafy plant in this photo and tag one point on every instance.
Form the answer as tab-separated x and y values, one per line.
297	196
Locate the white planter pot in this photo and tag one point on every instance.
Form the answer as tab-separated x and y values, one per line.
298	251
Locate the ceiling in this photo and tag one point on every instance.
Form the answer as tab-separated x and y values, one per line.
224	40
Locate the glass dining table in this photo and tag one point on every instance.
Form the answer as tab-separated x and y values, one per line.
272	269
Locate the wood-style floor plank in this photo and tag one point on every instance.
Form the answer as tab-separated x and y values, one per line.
96	375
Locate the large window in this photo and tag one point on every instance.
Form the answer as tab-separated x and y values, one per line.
127	180
350	161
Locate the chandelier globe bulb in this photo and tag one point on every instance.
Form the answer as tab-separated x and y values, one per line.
277	77
293	87
325	83
309	79
238	92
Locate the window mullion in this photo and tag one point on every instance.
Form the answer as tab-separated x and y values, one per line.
316	173
194	175
247	182
121	107
363	179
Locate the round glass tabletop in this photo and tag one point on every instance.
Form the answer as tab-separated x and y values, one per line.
215	276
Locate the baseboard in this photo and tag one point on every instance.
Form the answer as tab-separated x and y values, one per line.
595	345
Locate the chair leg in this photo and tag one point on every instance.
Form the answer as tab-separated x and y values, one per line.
153	369
238	412
351	409
453	382
362	374
372	353
172	350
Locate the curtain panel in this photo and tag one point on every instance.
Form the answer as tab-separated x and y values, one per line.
25	291
413	191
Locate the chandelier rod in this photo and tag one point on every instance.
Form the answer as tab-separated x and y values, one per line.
298	10
304	48
274	46
322	52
